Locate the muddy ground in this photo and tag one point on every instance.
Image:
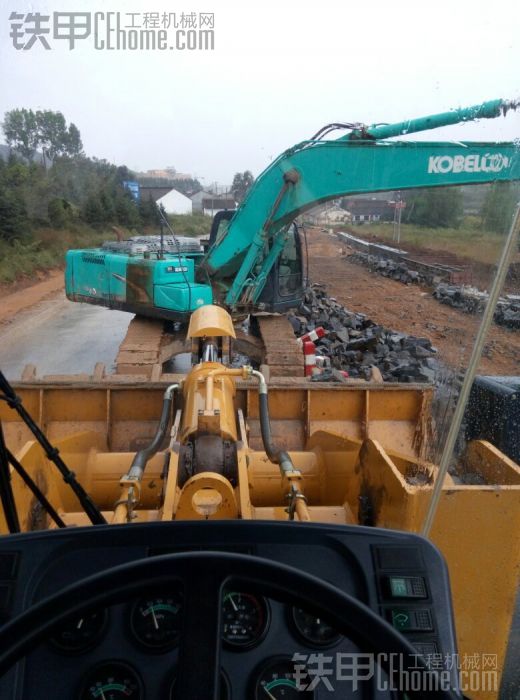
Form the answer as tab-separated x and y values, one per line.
27	292
40	327
408	309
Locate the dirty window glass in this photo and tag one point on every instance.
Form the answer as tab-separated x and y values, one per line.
127	127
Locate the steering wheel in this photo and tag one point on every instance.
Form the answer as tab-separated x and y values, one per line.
203	576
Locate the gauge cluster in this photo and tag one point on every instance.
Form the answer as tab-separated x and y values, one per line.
129	650
153	625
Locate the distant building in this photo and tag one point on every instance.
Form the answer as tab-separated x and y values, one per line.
161	174
153	191
181	176
365	211
166	174
324	214
196	201
209	203
175	202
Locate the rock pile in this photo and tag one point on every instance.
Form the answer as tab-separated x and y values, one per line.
396	270
473	301
508	312
469	299
356	344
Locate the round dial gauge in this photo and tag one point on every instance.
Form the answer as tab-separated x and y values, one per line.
155	620
112	681
313	629
244	619
80	634
277	680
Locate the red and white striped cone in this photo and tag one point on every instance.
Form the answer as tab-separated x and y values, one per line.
309	357
314	335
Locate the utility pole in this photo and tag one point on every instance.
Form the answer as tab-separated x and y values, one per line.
399	205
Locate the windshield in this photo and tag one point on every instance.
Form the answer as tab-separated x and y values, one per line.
264	158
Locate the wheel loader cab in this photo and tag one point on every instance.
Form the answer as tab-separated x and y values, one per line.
230	555
240	565
226	561
227	609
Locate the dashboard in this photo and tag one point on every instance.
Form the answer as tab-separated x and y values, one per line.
269	650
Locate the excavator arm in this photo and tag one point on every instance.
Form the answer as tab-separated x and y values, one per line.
315	171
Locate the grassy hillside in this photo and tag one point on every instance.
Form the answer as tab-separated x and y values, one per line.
469	240
45	248
190	224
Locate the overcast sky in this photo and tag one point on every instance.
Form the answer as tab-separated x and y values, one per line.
278	72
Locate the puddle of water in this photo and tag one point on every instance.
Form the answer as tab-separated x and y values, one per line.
180	364
66	338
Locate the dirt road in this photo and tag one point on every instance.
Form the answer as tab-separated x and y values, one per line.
27	295
409	309
39	326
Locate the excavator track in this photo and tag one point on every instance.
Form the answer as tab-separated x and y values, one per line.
148	344
140	349
283	355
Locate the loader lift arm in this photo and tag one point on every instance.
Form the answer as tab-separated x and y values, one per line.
316	171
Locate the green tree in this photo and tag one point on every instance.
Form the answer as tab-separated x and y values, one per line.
148	212
123	173
16	174
27	131
54	137
21	131
52	132
188	186
241	184
93	210
498	205
127	212
439	207
60	212
107	204
73	143
13	215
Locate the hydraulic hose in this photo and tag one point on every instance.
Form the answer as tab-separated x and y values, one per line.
275	454
297	501
142	457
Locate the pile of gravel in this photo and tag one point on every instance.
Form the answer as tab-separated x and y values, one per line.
395	269
468	299
473	301
356	344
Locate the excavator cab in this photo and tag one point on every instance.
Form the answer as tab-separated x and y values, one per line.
285	282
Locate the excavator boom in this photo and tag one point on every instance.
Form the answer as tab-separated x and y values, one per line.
314	171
